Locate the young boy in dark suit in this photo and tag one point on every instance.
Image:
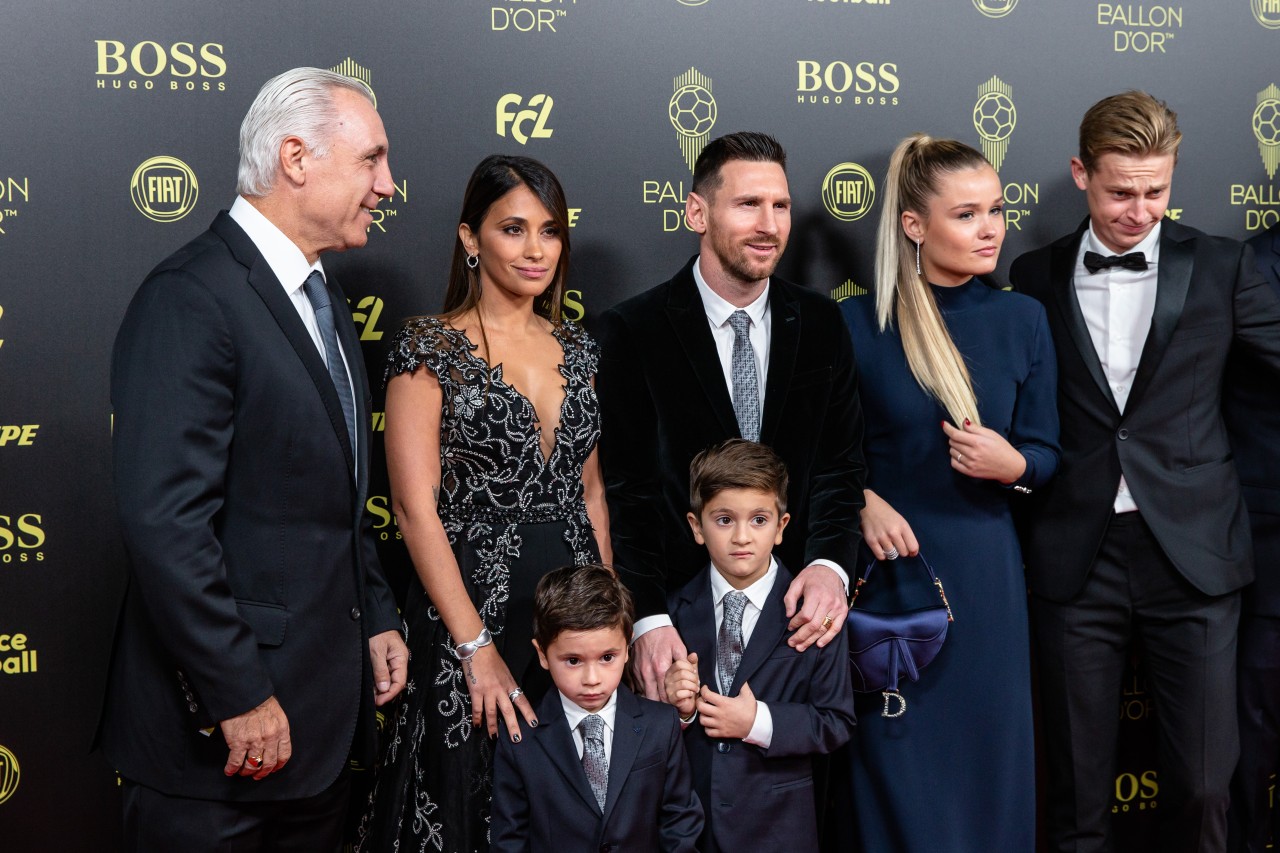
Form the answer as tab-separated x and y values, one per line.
760	710
602	769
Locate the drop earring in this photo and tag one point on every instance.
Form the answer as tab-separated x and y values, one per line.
473	261
917	257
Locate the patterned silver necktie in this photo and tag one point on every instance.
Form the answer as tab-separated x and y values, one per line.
593	760
318	295
729	641
746	385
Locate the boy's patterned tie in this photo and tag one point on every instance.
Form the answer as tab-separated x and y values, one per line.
593	760
729	641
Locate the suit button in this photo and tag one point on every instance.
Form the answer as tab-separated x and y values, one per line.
1122	434
355	614
193	707
723	748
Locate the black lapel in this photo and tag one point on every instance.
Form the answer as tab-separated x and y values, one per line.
769	629
1062	264
1173	279
784	343
695	616
553	737
269	289
688	320
628	733
1275	252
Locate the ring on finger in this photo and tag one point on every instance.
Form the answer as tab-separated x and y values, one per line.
515	694
891	553
959	456
826	621
254	761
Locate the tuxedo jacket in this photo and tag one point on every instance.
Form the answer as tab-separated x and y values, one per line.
542	801
664	399
1251	404
1171	442
763	799
252	569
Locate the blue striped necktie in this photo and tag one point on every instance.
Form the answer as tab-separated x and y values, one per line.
318	295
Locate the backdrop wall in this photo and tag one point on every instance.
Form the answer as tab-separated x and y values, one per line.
118	127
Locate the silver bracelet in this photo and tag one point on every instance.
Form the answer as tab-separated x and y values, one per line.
465	651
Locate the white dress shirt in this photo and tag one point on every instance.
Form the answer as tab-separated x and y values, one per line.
718	309
1118	305
574	714
291	268
761	733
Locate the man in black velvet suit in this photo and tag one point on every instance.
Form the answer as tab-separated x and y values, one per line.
726	349
1143	534
258	631
1251	405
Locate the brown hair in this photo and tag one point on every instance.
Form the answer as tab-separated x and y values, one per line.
497	175
580	598
736	464
1132	123
743	145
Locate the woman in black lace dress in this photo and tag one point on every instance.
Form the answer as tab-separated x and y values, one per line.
491	431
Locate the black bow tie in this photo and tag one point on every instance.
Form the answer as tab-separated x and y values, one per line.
1132	261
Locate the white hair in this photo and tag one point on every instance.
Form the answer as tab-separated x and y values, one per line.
298	103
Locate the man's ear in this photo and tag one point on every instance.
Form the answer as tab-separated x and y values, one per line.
293	156
695	212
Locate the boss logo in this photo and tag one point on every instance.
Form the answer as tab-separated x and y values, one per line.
150	59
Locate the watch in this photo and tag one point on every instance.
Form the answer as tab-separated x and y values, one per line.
465	651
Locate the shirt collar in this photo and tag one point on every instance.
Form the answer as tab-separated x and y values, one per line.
718	308
1150	245
757	593
574	713
285	259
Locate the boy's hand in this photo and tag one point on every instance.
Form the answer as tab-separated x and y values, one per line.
682	685
727	717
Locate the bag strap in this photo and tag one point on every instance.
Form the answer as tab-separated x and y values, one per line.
866	573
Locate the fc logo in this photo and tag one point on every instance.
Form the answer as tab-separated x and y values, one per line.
507	116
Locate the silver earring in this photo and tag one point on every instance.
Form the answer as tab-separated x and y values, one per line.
473	261
917	257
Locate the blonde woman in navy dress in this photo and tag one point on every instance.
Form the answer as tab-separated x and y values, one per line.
958	383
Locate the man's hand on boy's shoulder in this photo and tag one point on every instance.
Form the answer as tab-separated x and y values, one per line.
682	685
817	605
727	716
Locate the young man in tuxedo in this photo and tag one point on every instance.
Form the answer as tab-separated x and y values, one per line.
258	631
726	349
1143	535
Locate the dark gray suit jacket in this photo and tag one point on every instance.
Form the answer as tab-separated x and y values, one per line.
252	569
1170	443
542	802
763	799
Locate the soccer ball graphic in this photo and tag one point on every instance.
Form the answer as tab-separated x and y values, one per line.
994	117
1266	122
692	110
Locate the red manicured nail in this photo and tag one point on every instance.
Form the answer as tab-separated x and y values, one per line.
966	422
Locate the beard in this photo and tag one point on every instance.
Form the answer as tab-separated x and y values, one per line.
737	260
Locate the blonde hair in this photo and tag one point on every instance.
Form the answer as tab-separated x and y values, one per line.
1131	123
902	294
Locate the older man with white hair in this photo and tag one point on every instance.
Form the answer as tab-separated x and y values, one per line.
258	632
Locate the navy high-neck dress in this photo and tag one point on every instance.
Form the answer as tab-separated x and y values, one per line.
956	772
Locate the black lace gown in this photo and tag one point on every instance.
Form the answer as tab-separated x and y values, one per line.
512	514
